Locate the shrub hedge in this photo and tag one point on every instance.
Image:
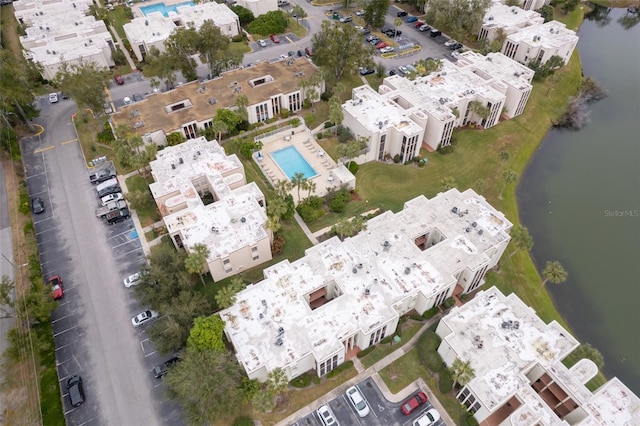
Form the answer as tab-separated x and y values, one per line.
339	369
445	382
301	381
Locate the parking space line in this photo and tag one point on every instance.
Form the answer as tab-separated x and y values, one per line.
69	141
47	148
129	252
149	354
64	346
122	244
64	331
90	420
66	316
32	176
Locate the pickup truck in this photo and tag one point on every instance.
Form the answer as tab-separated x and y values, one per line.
116	216
101	175
113	206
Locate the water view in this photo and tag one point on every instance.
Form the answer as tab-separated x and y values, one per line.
580	199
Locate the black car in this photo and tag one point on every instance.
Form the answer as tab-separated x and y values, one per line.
455	46
366	70
300	53
291	53
108	191
374	41
76	393
137	97
366	31
37	205
402	14
162	369
392	72
435	33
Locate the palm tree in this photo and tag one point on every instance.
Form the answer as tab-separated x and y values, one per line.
447	182
283	187
277	207
396	23
277	382
226	296
461	372
554	272
273	224
311	187
508	177
242	102
196	261
504	159
219	127
297	182
521	239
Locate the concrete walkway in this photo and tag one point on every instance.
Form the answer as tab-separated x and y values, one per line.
124	50
372	372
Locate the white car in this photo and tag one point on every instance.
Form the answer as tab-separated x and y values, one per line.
262	43
428	418
53	98
283	57
360	12
127	100
326	416
450	43
110	198
132	280
387	49
357	400
143	318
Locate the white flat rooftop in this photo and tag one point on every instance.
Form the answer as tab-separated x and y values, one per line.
613	404
501	15
503	338
552	34
378	113
364	277
498	66
76	47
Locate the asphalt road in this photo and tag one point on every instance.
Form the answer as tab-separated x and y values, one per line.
92	327
382	412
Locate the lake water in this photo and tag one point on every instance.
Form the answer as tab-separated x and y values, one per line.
580	199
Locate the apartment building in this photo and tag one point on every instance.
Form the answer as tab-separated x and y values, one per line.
533	4
439	102
541	42
518	374
191	107
319	311
258	7
151	29
500	18
62	31
203	197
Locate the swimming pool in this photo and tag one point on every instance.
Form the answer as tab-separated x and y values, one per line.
291	162
163	8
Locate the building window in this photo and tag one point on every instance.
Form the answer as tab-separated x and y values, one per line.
254	249
328	365
275	105
295	104
228	271
377	335
190	131
208	124
383	139
262	113
226	262
408	148
255	257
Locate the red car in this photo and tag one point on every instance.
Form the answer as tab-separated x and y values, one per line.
381	45
119	80
274	38
57	290
413	403
418	24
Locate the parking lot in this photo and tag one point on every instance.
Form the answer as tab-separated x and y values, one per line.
382	412
92	329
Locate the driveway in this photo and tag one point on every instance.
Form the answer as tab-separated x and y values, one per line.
92	325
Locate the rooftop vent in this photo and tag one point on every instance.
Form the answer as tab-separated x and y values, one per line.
146	23
280	331
480	232
454	210
180	160
380	124
367	291
386	245
355	270
212	101
243	219
474	224
173	166
468	229
264	303
279	341
261	316
407	270
359	265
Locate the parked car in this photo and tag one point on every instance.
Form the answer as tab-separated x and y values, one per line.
402	14
308	51
360	12
262	43
37	205
392	72
109	190
132	280
162	369
57	290
110	198
413	403
450	43
418	24
346	19
300	53
274	38
53	98
117	215
428	418
357	400
281	57
326	416
74	388
387	49
291	53
127	100
366	71
102	175
365	31
455	46
372	38
119	80
144	317
137	97
435	33
411	19
381	45
424	28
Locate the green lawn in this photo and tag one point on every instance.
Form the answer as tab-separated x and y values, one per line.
149	214
118	17
381	351
87	127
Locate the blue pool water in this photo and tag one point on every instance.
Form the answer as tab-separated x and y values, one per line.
163	8
291	162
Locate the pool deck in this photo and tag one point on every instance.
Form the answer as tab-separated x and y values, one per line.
310	150
137	13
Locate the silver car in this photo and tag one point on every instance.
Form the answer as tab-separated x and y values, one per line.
357	400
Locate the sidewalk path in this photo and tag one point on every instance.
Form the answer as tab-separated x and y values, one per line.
372	371
122	48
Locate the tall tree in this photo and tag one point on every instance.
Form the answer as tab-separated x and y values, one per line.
242	102
298	182
196	261
352	149
181	45
206	401
462	372
397	22
462	17
220	128
375	12
311	187
15	87
163	65
226	296
164	277
504	158
508	176
7	298
206	334
335	112
479	185
553	272
299	12
85	82
277	382
214	46
521	239
345	39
